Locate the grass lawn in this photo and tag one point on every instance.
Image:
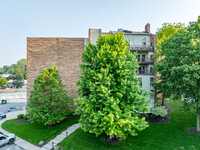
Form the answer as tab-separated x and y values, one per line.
169	136
34	133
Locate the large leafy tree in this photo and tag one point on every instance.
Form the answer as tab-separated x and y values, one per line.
179	69
163	33
48	101
111	96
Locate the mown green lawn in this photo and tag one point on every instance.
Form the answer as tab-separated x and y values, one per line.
34	133
169	136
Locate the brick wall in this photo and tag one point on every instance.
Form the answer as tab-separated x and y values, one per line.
63	52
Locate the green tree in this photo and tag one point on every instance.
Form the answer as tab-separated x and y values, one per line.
22	64
1	70
48	102
18	79
111	96
180	68
3	82
6	68
163	33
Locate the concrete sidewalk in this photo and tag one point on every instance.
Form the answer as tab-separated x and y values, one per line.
20	142
60	137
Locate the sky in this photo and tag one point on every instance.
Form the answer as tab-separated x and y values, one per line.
20	19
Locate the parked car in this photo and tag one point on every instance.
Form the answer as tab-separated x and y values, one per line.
1	133
2	115
13	108
7	139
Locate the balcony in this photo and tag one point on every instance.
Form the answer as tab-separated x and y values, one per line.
145	72
145	60
141	48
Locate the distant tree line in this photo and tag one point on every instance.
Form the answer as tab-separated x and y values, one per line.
18	72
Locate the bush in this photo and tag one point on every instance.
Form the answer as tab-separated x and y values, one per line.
20	116
41	143
56	148
26	117
160	111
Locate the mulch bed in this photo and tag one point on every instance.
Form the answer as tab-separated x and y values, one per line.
21	121
194	131
158	119
112	141
42	144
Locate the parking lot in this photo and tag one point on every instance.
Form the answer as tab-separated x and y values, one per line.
10	103
4	108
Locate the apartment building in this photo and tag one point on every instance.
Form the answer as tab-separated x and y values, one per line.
142	43
43	52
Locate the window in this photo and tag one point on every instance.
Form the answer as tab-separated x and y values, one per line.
151	81
152	95
151	57
143	58
151	69
138	58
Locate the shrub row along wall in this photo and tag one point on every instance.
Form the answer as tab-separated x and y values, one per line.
63	52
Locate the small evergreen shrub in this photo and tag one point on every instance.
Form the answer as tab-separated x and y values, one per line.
56	148
41	143
20	116
160	111
181	148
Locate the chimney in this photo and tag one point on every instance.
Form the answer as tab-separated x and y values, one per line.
147	28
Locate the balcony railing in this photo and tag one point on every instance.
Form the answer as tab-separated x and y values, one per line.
145	60
141	48
145	72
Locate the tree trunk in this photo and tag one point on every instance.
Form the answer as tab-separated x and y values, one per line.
163	101
155	98
198	122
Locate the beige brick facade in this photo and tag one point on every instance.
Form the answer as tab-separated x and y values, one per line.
63	52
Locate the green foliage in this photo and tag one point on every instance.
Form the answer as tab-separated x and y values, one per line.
111	96
1	71
21	65
165	32
26	116
160	111
179	69
3	82
6	68
18	79
48	102
20	116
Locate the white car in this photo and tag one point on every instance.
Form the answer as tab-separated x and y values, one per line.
7	139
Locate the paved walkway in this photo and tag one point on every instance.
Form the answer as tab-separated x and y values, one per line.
60	137
20	142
